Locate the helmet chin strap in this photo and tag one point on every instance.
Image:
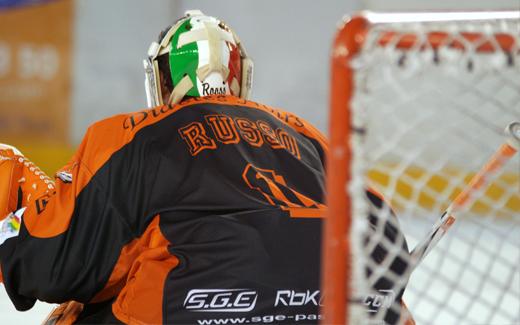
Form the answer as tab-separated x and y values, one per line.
180	90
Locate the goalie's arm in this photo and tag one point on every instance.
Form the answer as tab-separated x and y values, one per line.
70	240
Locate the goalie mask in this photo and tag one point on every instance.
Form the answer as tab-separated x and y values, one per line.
202	56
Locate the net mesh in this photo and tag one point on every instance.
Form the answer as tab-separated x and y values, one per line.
428	116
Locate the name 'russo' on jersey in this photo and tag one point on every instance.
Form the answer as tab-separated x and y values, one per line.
228	130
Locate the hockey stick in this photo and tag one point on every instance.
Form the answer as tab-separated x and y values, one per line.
479	181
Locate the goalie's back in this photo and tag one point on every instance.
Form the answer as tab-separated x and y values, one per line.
236	189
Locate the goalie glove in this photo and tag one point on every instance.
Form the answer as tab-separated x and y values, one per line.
21	182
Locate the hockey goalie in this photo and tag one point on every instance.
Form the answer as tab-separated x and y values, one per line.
205	208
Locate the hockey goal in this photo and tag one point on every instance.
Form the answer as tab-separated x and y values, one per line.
419	102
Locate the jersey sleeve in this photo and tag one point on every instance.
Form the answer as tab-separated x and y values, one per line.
71	239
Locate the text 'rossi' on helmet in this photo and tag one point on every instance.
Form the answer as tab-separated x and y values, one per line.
198	56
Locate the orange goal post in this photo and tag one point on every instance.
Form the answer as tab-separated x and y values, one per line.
418	105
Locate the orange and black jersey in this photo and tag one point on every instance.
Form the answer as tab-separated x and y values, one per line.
192	214
208	209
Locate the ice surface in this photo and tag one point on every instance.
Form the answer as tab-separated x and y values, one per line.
9	315
471	277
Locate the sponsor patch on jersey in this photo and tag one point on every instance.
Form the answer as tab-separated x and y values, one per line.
65	177
297	298
221	300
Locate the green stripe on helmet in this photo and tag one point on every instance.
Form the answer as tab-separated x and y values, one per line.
184	60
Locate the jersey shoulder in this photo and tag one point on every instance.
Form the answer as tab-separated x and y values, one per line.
294	121
300	125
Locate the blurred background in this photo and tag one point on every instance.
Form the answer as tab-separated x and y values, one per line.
65	64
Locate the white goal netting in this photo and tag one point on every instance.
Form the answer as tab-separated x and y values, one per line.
430	103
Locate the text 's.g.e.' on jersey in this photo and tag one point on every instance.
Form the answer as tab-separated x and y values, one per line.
204	211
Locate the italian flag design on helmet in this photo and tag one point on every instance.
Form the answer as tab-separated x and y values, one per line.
205	58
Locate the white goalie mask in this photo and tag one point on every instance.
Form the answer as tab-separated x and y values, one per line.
204	57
